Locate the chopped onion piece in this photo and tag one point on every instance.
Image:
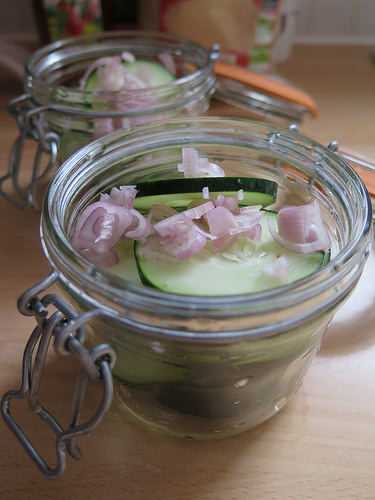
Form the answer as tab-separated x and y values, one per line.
123	196
301	229
140	228
165	226
194	166
128	57
103	61
111	77
298	247
206	193
168	62
100	226
221	222
186	242
102	126
199	211
228	202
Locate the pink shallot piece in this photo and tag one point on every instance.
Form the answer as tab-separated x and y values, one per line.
168	62
95	225
225	225
301	229
102	126
127	56
169	225
114	79
140	228
103	223
221	222
103	61
184	242
195	166
123	196
179	236
228	202
111	77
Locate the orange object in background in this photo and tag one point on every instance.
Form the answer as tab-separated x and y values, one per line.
267	85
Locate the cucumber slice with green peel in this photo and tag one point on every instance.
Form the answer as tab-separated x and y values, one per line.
152	73
180	193
143	369
240	269
127	267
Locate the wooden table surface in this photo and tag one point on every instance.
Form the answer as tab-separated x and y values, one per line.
321	447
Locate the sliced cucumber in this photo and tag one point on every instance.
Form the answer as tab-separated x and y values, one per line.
135	368
179	193
152	73
238	270
126	267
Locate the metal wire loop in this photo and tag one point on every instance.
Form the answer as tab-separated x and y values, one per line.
15	186
66	327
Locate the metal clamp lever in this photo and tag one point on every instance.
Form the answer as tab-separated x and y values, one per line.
67	330
31	125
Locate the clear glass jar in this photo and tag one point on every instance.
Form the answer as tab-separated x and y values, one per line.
61	117
207	367
240	100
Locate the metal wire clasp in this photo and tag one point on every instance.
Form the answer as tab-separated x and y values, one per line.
66	328
32	125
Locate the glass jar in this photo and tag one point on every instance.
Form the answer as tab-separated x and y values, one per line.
243	101
196	367
61	117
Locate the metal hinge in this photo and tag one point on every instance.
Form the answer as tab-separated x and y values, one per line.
66	328
19	185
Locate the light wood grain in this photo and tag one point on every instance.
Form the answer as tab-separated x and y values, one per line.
321	447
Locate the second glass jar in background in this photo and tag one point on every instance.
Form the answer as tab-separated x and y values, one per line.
59	116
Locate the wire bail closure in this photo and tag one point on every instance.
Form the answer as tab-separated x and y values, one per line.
66	328
31	124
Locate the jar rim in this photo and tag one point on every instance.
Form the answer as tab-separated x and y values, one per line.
100	286
57	54
261	104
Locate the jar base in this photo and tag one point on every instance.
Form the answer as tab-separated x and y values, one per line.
140	408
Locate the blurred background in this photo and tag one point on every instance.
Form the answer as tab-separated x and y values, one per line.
322	46
255	33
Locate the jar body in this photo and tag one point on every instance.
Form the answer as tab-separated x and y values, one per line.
62	117
205	391
210	367
79	116
236	99
74	132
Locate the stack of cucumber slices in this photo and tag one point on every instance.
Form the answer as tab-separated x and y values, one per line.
241	268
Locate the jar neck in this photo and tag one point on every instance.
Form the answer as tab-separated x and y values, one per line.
50	70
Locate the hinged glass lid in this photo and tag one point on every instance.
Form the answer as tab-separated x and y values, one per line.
259	103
